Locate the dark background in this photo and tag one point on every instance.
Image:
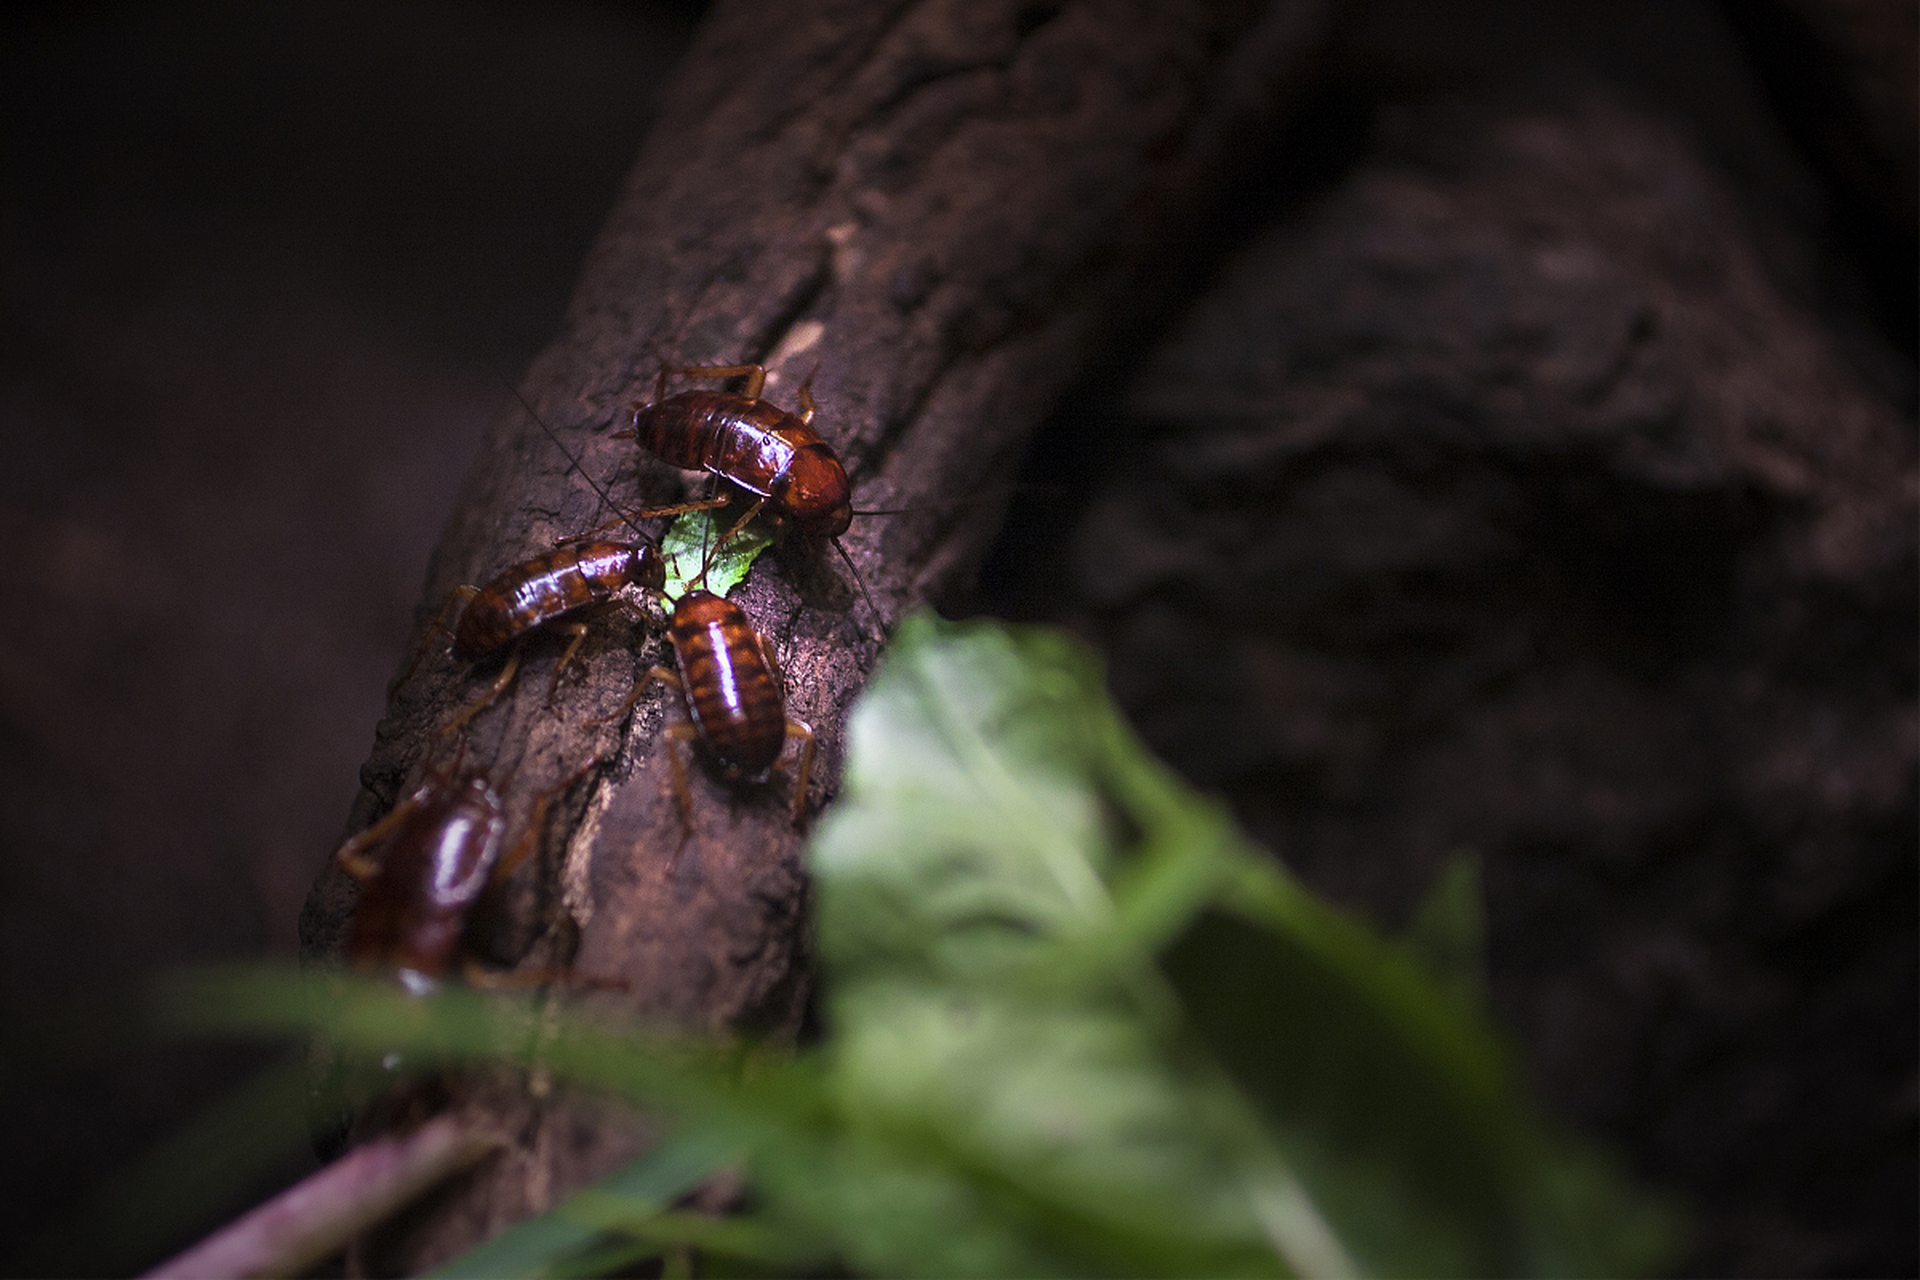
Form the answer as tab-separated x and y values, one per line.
263	271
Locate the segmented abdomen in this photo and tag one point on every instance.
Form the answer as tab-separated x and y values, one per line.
749	442
538	591
732	691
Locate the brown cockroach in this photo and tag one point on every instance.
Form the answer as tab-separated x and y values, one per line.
425	865
729	679
550	591
734	693
560	584
547	591
752	444
794	477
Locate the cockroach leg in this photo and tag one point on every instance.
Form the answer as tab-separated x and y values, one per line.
682	793
755	374
354	862
537	820
459	595
578	630
678	509
801	730
486	699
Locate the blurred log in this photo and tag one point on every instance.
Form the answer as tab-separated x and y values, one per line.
947	204
1500	500
1843	77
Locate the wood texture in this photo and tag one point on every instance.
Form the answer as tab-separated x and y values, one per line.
947	206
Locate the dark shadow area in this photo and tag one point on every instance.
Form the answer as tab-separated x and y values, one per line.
261	270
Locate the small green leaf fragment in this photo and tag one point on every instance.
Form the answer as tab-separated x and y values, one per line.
689	543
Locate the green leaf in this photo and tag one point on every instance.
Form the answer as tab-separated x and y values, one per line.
987	917
1060	1120
1004	838
966	834
378	1019
1448	935
1076	1024
648	1186
690	543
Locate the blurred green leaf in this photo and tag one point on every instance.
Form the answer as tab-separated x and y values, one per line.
455	1025
543	1246
1003	834
1075	1025
1448	934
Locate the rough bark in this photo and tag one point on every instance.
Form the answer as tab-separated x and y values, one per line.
1501	501
947	205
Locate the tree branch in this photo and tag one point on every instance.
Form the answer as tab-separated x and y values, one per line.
949	205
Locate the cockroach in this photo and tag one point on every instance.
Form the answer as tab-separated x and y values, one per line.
547	592
733	690
425	865
563	582
728	676
734	694
729	680
753	444
794	477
